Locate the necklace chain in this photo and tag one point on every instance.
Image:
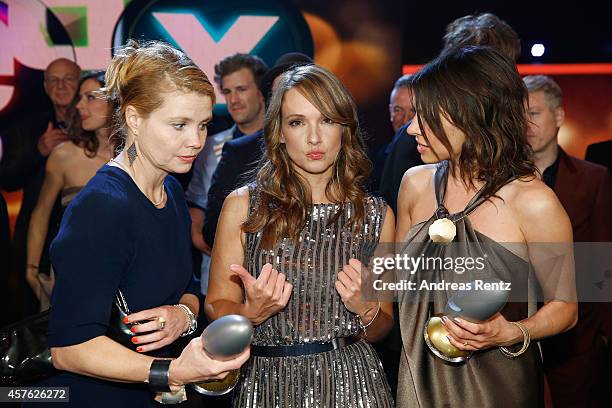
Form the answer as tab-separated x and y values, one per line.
156	204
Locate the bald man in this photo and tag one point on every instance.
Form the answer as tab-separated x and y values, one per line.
27	144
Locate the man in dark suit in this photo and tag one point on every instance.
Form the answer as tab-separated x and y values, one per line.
400	154
575	360
236	168
27	144
600	153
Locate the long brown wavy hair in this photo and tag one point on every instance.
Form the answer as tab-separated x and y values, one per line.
79	136
284	197
479	90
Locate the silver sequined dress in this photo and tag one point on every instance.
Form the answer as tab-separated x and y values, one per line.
350	377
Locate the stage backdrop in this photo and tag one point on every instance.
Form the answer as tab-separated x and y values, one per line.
366	43
575	44
359	40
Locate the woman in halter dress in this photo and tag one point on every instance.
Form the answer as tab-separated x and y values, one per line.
288	252
69	167
471	126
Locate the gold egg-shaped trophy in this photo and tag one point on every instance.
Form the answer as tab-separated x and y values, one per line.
480	301
435	334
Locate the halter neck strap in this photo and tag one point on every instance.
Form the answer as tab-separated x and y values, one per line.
440	183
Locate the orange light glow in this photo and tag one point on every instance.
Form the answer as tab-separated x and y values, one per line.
545	69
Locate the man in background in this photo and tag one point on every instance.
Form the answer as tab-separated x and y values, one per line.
574	361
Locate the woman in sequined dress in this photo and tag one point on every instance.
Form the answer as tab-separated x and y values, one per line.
304	229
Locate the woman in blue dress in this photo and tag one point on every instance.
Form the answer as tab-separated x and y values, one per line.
129	230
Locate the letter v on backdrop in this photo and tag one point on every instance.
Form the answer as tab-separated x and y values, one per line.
206	30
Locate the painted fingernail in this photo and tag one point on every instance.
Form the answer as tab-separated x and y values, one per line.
448	338
444	320
139	349
133	330
126	320
456	319
134	339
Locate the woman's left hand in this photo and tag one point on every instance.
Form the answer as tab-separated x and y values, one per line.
348	287
495	332
158	327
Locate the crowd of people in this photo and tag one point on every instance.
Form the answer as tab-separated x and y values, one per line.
284	210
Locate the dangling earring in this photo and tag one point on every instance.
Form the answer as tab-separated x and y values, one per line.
132	153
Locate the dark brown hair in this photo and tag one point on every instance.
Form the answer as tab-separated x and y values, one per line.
483	29
236	62
284	196
79	136
479	90
139	75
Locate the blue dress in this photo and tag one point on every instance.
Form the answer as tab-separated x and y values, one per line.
113	237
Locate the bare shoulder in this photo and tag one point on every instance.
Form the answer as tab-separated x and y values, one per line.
237	201
537	209
418	178
530	197
62	155
63	151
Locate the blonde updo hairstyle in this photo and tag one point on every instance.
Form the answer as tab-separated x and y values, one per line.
139	75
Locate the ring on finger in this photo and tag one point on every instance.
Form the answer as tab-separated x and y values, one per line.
162	323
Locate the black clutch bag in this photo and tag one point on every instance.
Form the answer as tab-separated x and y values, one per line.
25	356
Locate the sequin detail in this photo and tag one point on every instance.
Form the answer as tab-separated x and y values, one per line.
349	377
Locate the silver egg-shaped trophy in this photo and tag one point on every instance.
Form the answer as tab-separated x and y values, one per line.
223	339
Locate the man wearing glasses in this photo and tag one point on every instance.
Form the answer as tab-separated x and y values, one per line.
27	143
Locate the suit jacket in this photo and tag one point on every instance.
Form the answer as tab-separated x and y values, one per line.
585	190
204	168
575	360
600	153
236	168
402	155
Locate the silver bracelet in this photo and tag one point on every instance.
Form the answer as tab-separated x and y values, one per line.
365	326
526	341
193	322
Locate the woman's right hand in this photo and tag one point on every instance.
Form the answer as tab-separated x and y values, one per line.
196	365
266	295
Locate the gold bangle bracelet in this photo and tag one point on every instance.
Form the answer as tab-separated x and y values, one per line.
526	342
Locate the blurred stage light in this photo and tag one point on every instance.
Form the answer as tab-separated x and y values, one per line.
537	50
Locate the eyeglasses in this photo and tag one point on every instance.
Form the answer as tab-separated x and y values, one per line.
67	80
